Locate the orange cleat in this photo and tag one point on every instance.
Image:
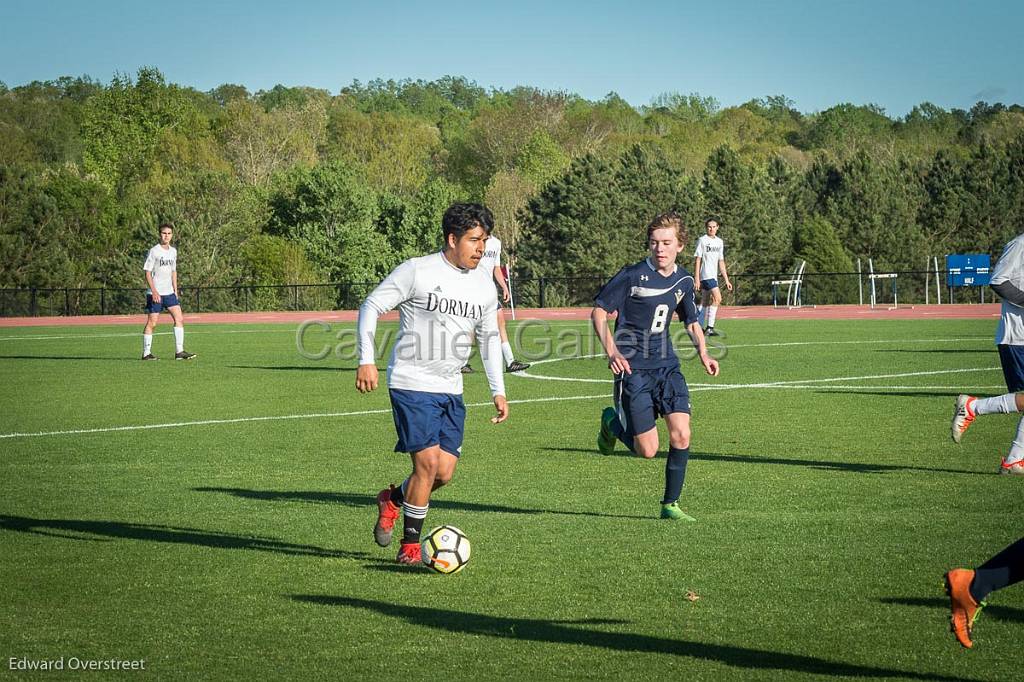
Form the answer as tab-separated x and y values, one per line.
387	514
409	553
964	610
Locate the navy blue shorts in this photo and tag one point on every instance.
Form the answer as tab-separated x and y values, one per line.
646	394
168	301
424	419
1012	360
708	284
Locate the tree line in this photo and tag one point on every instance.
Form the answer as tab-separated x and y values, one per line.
296	185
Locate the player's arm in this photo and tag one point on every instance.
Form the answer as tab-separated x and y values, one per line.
499	277
687	312
696	272
396	288
725	274
617	363
488	339
174	282
1002	280
611	297
152	285
697	338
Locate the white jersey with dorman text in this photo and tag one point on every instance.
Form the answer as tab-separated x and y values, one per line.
162	262
710	250
491	258
1010	268
441	309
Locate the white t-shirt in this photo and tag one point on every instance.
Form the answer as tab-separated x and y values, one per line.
711	251
162	262
441	308
491	258
1010	267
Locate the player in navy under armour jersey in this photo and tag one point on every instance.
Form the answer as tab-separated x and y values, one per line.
648	381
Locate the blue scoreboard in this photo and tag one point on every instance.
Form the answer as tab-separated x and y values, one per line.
968	270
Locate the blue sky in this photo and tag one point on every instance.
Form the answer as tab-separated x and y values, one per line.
896	53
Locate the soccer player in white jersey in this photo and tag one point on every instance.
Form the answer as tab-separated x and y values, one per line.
162	277
709	261
443	303
490	268
1008	281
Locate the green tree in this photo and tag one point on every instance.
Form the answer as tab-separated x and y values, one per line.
815	241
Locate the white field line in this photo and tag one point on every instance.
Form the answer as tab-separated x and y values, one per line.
190	332
799	385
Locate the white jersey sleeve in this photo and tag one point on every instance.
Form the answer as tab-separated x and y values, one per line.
396	288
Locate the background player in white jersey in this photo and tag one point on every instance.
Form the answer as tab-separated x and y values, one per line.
443	303
1008	281
709	261
490	268
162	277
648	382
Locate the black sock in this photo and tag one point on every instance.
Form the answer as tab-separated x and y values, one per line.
675	473
397	496
413	522
1002	570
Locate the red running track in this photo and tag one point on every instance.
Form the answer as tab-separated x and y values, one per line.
826	312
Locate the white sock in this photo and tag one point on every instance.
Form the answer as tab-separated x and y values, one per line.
506	350
1001	404
1017	447
147	344
700	315
712	314
179	339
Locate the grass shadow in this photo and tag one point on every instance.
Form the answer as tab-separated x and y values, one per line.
822	465
1007	613
79	529
362	500
563	632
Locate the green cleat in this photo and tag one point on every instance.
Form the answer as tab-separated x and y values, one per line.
672	511
606	439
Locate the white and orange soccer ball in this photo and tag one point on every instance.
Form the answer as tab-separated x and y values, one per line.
446	549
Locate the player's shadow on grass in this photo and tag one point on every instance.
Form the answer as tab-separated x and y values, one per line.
295	368
852	467
360	500
106	531
825	465
1007	613
570	632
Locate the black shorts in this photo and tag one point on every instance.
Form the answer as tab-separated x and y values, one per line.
646	394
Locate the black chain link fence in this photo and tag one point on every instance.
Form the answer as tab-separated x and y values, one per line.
819	288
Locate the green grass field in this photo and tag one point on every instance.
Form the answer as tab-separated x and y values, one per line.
829	504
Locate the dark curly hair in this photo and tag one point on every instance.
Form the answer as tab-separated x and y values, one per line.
461	218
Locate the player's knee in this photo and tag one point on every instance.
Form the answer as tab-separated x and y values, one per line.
443	477
647	451
679	437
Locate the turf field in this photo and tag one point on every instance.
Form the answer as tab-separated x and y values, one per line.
213	518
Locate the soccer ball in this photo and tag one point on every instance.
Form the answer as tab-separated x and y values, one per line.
446	549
